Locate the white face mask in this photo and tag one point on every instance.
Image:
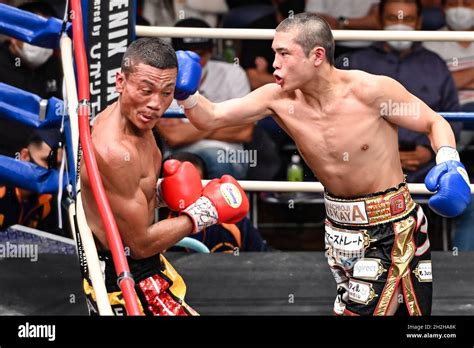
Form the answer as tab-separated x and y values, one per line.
399	45
460	18
34	56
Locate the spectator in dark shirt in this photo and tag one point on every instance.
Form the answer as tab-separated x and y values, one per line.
23	207
31	68
419	70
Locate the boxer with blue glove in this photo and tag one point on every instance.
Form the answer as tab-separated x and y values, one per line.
345	125
189	77
450	181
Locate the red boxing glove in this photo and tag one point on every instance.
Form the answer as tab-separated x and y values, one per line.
223	201
181	185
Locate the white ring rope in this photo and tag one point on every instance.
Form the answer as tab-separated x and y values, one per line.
289	186
346	35
71	92
87	239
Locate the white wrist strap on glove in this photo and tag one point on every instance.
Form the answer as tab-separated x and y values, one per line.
190	101
447	153
202	213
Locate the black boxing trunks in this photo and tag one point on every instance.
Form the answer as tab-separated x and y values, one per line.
160	289
375	245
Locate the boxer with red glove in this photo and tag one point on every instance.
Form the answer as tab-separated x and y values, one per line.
181	185
223	201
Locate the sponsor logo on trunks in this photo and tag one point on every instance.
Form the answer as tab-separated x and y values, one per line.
423	271
346	212
344	247
345	240
231	195
397	204
368	268
361	292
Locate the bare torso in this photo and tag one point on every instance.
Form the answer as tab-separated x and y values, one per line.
350	148
119	151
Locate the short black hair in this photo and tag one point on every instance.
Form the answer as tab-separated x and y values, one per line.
196	160
39	7
150	51
383	3
33	139
313	30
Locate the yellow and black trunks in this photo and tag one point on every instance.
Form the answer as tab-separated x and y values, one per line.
375	245
160	289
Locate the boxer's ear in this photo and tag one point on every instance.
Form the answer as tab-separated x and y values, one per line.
119	81
318	55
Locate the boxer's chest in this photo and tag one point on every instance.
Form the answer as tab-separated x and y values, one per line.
342	133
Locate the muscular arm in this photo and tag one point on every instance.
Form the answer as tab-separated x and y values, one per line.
181	133
177	133
417	115
234	112
120	172
239	134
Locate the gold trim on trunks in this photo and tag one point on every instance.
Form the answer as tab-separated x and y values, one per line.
403	252
370	211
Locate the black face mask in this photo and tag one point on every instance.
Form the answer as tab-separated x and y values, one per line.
290	7
53	154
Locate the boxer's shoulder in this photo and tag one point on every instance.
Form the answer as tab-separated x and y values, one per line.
368	88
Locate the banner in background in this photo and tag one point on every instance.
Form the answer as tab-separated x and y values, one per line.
110	29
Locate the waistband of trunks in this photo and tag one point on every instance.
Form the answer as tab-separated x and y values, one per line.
370	210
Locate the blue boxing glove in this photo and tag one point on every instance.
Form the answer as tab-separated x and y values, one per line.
450	181
189	77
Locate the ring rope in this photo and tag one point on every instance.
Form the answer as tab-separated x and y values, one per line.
267	34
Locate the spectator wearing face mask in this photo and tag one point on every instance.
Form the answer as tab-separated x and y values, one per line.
459	56
31	209
420	71
31	68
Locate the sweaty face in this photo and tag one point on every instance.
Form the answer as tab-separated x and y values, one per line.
145	94
292	68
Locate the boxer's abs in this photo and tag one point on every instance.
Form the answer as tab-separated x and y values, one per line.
352	152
